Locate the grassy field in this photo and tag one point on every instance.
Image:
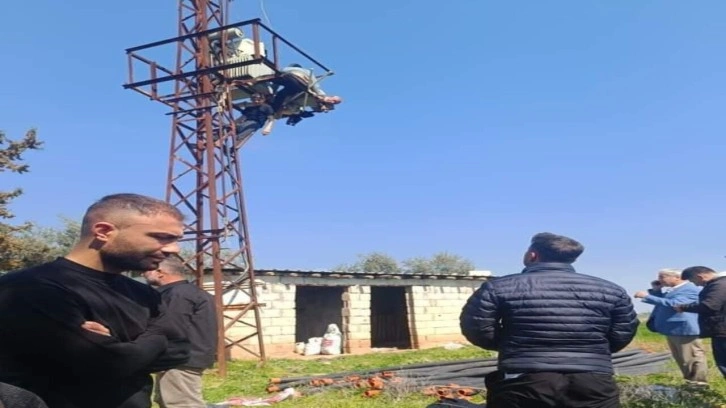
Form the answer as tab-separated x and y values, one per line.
245	379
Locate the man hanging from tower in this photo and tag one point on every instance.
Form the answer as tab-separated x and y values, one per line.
299	88
255	115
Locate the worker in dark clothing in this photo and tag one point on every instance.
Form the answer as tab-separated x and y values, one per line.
193	313
298	87
555	330
255	115
78	333
711	309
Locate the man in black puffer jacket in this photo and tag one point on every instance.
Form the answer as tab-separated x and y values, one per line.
555	330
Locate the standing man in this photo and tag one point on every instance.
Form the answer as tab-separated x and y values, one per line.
78	333
711	309
193	313
681	329
555	330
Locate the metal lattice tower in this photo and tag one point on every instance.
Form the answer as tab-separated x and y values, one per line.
204	178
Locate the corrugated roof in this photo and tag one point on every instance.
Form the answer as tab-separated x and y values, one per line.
349	275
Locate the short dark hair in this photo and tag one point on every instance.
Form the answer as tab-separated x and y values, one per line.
692	271
140	204
555	248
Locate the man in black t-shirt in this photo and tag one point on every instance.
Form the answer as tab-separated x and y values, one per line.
78	333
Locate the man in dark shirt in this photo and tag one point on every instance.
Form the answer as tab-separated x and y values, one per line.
711	309
255	115
298	88
79	334
193	312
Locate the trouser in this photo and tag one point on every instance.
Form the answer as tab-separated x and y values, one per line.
718	347
245	128
691	357
552	390
293	85
179	388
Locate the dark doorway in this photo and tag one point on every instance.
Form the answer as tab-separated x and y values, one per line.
389	318
315	308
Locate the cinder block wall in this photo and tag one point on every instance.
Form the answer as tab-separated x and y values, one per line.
277	319
357	319
433	313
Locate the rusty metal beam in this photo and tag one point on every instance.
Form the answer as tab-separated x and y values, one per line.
196	72
204	179
294	47
192	35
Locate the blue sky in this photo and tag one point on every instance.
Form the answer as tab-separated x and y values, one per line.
467	127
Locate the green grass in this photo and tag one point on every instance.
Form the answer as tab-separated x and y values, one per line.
245	379
636	391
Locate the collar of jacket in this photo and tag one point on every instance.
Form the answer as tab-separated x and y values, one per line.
172	284
714	280
549	267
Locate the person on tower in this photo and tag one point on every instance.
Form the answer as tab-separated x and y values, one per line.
299	84
255	115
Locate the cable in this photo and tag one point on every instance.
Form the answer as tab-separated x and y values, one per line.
264	13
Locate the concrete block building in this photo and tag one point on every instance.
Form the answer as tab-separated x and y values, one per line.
372	311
